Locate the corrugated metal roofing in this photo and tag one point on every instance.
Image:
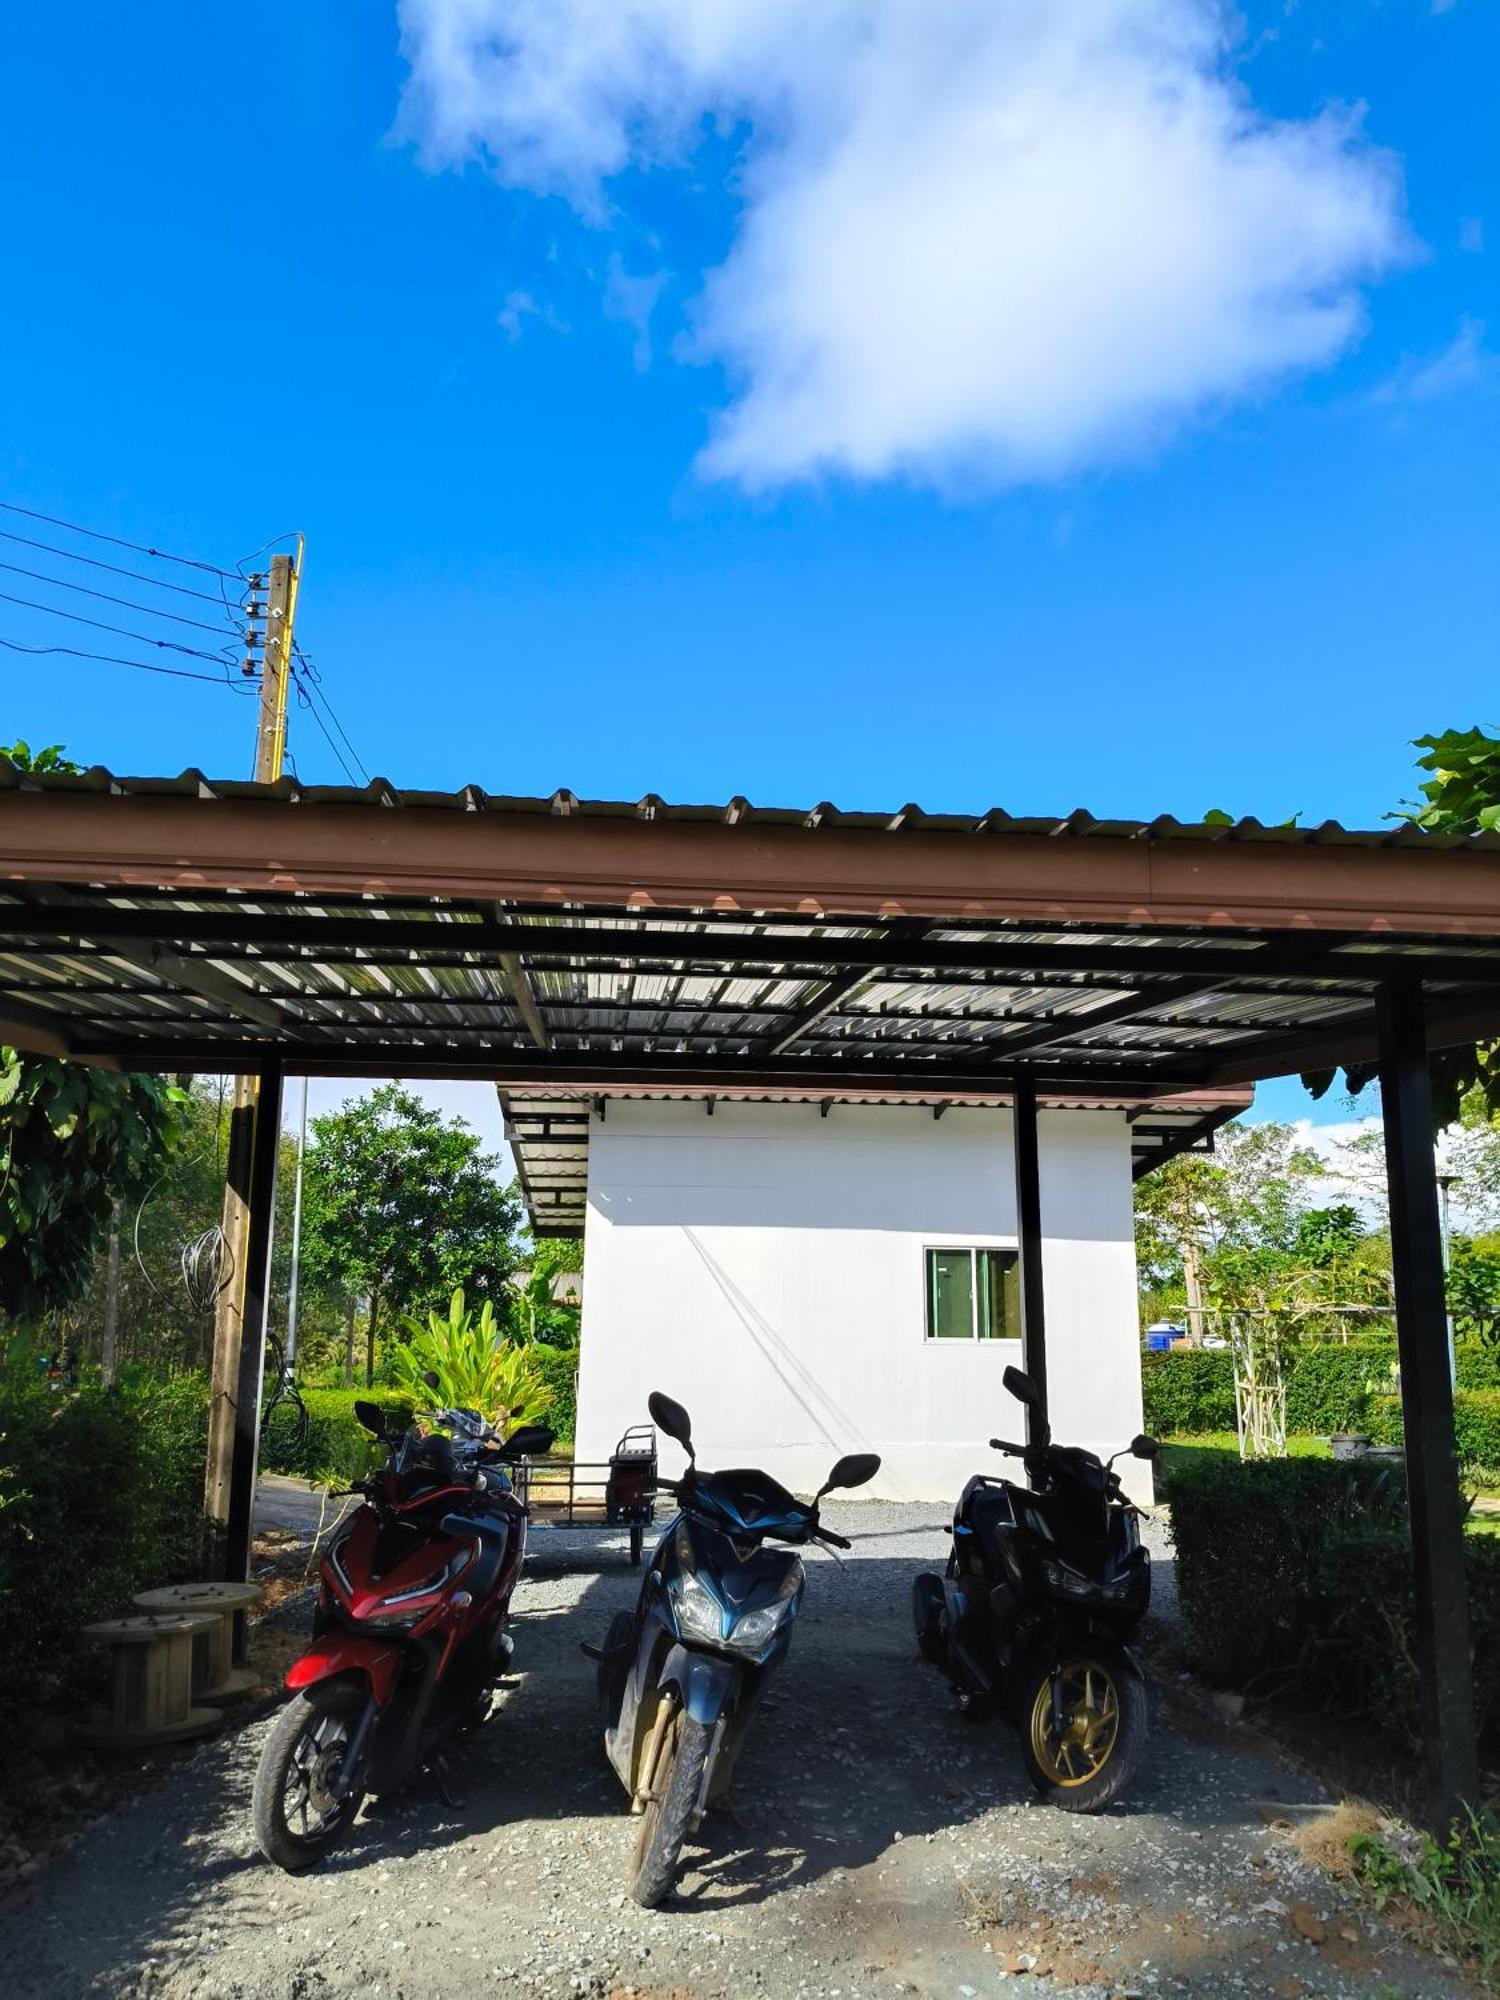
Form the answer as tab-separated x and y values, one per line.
1079	824
683	996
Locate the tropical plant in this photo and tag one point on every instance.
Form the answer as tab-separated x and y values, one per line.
475	1368
71	1140
1474	1292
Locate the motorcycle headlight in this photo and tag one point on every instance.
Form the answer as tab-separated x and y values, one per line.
756	1629
1068	1582
696	1609
396	1610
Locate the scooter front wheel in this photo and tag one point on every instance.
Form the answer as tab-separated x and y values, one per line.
298	1817
1084	1747
671	1801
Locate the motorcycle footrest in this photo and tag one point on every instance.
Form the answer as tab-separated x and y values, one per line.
591	1652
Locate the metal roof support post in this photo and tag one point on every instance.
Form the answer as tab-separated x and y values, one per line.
1029	1236
234	1434
1432	1484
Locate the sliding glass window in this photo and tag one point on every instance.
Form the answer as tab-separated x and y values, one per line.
973	1295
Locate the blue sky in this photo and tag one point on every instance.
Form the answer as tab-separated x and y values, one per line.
476	357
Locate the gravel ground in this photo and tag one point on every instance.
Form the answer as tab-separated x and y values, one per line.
880	1843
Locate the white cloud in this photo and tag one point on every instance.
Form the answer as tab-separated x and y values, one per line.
1463	363
993	238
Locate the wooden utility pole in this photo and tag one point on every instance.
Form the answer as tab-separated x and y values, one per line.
234	1413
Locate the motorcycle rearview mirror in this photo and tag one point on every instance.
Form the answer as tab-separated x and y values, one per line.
857	1469
1144	1447
529	1441
1022	1387
671	1417
370	1417
431	1377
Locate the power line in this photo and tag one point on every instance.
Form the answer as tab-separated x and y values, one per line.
117	660
138	576
119	541
120	631
108	597
315	679
304	694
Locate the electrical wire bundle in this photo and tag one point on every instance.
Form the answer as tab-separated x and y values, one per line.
237	595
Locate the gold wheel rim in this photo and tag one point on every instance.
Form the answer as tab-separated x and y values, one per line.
1090	1724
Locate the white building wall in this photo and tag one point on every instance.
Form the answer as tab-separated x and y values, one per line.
765	1266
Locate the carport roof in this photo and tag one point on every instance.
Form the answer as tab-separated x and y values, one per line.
569	948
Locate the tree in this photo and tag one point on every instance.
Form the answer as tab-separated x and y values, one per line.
399	1207
1250	1195
1461	795
71	1139
537	1312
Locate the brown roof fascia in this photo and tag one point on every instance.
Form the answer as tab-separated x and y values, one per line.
140	840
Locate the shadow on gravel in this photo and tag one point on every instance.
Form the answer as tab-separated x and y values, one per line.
859	1746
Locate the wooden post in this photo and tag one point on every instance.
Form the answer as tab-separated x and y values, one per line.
240	1333
1440	1585
1029	1236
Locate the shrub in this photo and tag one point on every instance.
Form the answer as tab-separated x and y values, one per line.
558	1367
1189	1392
337	1446
476	1370
1476	1427
101	1495
1296	1573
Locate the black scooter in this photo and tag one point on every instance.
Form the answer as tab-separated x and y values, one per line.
680	1677
1045	1584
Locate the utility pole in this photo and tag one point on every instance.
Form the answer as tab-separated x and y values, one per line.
234	1412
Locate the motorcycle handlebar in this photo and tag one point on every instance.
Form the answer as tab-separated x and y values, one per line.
1011	1450
823	1534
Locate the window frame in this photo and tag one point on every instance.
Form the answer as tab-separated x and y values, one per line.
973	1251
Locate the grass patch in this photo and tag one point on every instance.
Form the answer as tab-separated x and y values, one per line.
1445	1893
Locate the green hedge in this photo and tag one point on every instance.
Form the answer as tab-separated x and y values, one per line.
101	1495
1327	1386
1476	1426
1295	1575
1189	1392
336	1445
559	1368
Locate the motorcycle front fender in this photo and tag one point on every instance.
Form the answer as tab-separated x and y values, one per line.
707	1683
348	1653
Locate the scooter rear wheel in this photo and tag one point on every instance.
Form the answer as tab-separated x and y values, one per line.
297	1819
928	1603
670	1806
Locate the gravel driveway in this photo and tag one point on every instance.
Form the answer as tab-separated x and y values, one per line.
881	1844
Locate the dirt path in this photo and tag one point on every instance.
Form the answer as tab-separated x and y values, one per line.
882	1845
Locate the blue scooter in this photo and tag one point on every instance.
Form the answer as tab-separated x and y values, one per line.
681	1676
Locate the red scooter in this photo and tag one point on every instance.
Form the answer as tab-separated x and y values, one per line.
410	1633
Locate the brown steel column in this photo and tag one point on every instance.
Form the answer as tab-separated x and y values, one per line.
1440	1586
1029	1236
239	1347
